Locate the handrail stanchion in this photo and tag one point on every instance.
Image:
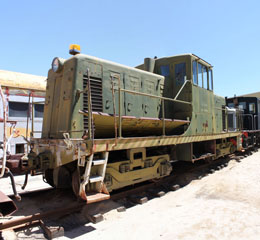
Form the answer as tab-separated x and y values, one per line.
255	116
252	120
119	107
163	99
226	119
90	135
114	109
27	120
163	116
33	112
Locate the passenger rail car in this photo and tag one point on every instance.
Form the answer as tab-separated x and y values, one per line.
107	125
250	108
24	96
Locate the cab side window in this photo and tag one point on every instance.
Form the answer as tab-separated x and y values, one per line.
205	77
202	76
165	70
200	79
251	108
210	86
195	72
180	73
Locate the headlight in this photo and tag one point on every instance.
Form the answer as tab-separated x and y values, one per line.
57	64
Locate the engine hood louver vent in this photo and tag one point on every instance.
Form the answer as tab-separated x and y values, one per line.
96	96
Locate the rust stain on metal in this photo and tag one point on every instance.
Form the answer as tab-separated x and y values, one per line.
7	206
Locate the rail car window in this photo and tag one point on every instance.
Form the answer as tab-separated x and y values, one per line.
200	75
242	105
210	87
165	70
180	73
38	110
19	148
251	108
195	72
231	105
18	109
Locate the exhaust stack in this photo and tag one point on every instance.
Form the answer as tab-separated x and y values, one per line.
149	64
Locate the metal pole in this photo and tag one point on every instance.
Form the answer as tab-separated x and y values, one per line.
252	122
89	108
183	85
32	116
114	109
163	116
255	116
4	132
27	122
154	96
119	107
226	119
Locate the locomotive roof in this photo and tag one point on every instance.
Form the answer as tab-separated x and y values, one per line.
17	80
244	97
97	60
192	55
255	94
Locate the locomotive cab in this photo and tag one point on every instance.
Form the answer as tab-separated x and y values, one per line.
190	79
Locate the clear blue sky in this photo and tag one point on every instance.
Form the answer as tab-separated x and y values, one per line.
224	33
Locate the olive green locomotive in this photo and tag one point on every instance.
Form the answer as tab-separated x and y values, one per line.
107	125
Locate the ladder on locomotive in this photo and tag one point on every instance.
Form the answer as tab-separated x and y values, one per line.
98	190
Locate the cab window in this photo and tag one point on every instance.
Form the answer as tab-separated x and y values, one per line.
210	87
165	70
200	80
180	73
205	76
251	108
195	72
242	105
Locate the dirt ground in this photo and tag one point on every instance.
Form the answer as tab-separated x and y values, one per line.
34	183
222	205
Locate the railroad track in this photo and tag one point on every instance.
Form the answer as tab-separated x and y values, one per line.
183	173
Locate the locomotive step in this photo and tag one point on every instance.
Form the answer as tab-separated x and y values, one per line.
95	179
98	162
97	197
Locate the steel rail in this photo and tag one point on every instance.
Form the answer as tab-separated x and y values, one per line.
16	223
28	221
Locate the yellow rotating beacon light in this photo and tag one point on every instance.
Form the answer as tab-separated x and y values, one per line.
74	49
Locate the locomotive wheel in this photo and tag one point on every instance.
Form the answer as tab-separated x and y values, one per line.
232	149
48	177
76	182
